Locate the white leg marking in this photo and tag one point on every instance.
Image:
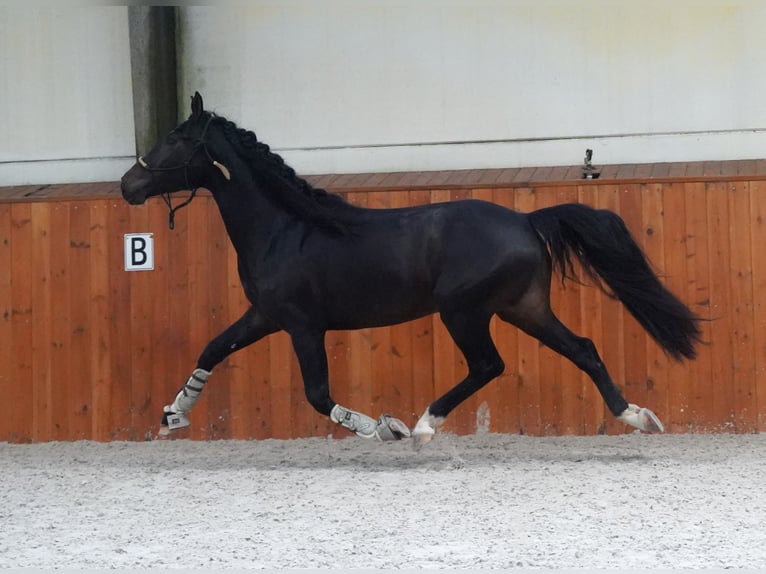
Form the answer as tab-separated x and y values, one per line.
425	429
642	418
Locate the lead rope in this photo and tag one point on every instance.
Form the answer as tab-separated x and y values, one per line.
172	210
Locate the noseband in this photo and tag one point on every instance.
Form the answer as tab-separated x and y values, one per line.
199	143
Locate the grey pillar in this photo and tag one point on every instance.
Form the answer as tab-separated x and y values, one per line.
153	68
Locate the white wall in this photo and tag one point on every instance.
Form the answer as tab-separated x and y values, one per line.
349	86
381	85
66	111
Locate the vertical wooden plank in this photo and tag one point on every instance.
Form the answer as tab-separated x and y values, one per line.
656	395
79	389
741	274
505	418
181	354
142	292
160	340
120	326
23	272
675	234
42	426
698	371
758	238
613	318
634	337
60	350
10	385
528	352
722	416
100	341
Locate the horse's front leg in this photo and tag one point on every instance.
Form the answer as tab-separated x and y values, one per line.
310	350
246	330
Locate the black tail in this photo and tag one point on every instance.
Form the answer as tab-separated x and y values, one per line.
608	253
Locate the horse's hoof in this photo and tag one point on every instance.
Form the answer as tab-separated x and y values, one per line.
390	428
172	421
425	429
642	418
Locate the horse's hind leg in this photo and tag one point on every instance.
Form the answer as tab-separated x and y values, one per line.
249	328
546	327
470	331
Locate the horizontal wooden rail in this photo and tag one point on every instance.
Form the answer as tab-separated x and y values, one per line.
90	351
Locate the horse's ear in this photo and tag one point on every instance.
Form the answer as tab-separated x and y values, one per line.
196	106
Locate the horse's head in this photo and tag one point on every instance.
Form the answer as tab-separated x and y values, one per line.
181	161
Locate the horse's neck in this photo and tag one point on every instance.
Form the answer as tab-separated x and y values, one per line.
246	215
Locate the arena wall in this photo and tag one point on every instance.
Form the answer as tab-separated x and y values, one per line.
89	350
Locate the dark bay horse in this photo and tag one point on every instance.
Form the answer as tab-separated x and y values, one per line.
310	262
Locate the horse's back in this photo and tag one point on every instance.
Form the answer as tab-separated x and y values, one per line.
487	254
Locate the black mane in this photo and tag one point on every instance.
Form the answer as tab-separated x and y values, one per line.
282	185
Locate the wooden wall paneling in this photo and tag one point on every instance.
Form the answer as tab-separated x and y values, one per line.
182	356
100	316
657	380
674	276
697	296
60	286
528	351
120	324
79	390
722	413
590	402
41	322
568	311
611	329
20	418
505	416
634	352
161	343
143	288
757	239
741	266
10	386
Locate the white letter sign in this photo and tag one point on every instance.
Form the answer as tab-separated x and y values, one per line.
139	251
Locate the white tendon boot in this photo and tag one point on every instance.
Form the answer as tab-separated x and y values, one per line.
386	428
174	416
